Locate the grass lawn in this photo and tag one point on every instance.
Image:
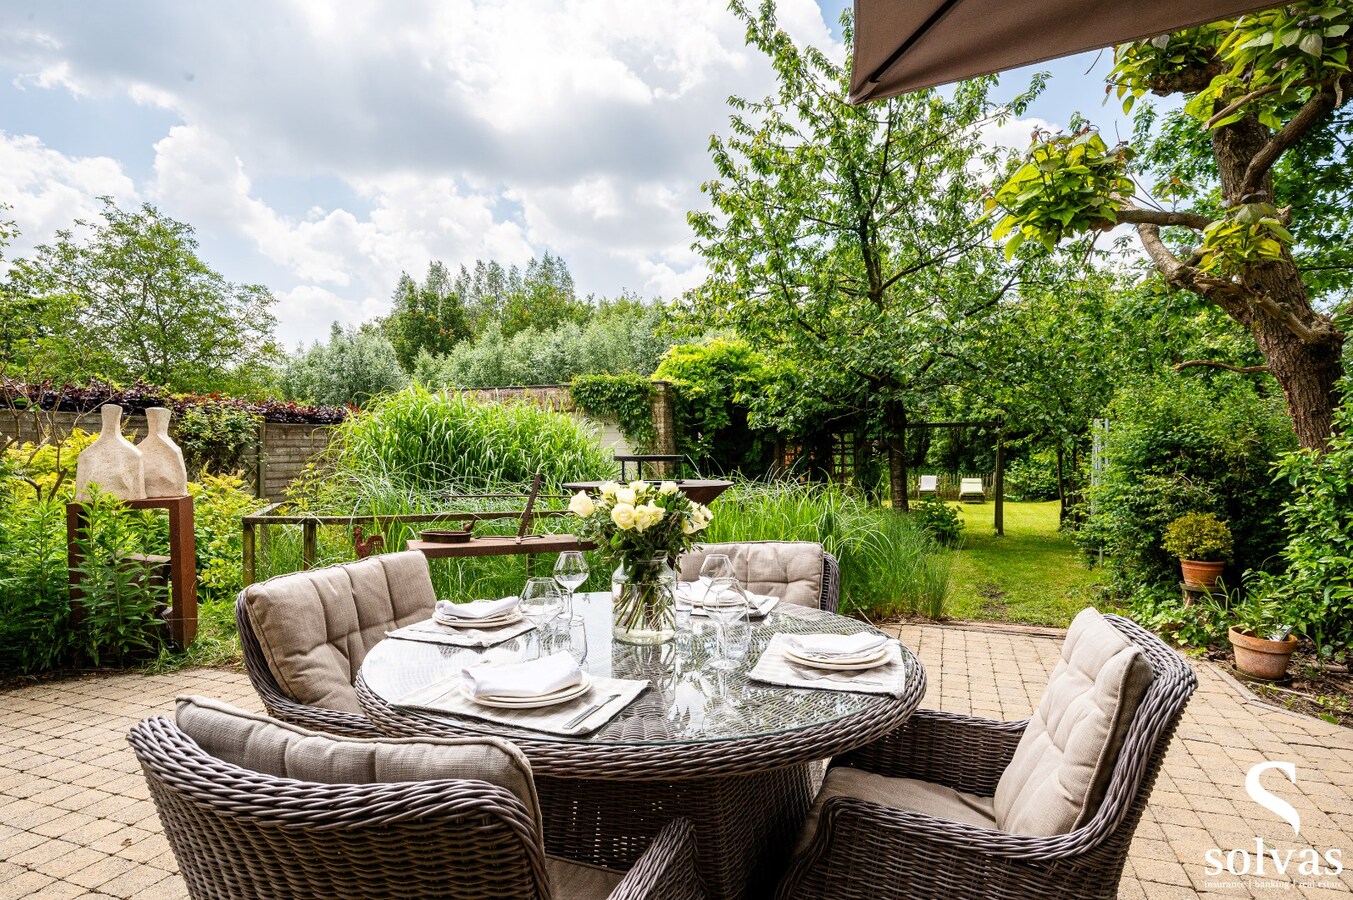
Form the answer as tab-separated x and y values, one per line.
1032	575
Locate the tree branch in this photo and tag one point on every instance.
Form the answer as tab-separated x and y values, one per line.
1216	364
1321	104
1134	215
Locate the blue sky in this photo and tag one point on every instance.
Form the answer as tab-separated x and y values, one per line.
321	149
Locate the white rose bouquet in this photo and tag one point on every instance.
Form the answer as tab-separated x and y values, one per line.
641	528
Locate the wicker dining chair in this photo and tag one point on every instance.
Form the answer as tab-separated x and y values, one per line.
304	635
798	572
254	807
937	838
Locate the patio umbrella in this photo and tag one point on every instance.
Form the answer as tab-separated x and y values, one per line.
906	45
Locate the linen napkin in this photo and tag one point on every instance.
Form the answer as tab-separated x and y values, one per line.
479	609
431	631
698	592
827	645
533	678
605	700
775	668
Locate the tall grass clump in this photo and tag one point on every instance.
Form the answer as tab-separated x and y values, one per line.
423	446
889	566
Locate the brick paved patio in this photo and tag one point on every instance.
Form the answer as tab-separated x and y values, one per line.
76	819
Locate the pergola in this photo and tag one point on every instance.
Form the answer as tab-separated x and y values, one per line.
907	45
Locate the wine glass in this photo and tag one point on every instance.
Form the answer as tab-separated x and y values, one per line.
541	601
726	606
570	570
717	565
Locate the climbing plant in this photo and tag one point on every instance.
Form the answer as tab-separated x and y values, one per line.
626	398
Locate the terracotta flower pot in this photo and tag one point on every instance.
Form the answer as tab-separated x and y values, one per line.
1261	657
1201	574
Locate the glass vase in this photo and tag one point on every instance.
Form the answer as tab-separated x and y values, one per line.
642	601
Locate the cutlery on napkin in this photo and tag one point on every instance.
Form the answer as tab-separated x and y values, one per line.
830	645
479	609
701	593
533	678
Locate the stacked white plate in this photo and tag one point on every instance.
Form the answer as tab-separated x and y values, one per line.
508	618
840	662
563	695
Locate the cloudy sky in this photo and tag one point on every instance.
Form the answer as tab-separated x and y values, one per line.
322	148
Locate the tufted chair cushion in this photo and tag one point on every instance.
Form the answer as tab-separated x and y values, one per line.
316	627
1061	768
790	570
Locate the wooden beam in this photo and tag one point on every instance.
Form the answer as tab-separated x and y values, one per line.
998	486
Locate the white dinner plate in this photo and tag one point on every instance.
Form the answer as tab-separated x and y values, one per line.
562	695
843	664
497	621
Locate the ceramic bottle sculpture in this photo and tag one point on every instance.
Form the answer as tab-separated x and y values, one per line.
111	462
166	475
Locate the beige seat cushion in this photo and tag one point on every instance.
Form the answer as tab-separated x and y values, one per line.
1057	778
579	881
790	570
898	793
316	627
261	744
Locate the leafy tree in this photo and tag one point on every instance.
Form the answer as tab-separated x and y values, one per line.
353	367
133	285
484	291
1249	184
543	299
714	380
842	243
428	317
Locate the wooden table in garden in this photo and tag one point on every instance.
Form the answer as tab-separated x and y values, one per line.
731	755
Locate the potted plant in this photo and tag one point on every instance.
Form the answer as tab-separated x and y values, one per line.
1263	644
1203	544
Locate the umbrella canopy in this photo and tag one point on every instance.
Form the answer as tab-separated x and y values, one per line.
906	45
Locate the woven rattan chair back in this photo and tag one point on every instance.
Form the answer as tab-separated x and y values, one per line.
242	834
276	701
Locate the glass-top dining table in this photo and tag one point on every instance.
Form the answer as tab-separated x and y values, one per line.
732	755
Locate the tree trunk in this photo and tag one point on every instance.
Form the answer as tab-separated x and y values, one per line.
895	419
1307	367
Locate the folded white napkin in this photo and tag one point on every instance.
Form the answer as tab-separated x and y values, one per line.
479	609
836	644
700	593
533	678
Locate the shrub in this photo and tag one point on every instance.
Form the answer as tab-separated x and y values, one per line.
1175	446
1033	477
1319	549
353	367
626	398
426	443
714	382
1198	536
216	438
939	520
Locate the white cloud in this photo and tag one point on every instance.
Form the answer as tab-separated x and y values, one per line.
458	129
49	190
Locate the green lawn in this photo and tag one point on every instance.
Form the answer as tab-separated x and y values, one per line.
1032	575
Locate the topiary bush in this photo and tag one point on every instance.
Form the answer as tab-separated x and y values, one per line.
1198	536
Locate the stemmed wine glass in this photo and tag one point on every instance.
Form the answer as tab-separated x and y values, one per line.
726	605
570	570
541	601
